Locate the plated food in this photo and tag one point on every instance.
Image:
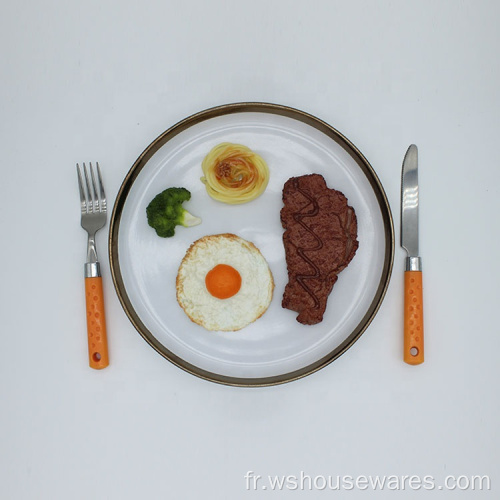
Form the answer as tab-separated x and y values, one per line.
165	212
320	240
224	283
275	348
234	174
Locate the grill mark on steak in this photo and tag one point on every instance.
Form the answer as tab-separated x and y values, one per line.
320	240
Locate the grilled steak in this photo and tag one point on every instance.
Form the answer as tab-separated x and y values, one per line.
320	240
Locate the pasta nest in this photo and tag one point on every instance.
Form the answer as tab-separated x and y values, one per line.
234	174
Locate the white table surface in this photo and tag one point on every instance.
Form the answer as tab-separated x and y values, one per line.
99	80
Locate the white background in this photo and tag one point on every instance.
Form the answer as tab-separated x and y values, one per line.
99	80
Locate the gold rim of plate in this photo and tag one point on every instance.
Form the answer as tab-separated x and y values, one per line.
252	107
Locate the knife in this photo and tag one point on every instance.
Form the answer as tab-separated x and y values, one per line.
413	298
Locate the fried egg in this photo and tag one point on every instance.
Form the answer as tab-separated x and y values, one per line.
224	283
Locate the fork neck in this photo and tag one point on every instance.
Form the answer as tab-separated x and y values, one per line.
91	250
92	267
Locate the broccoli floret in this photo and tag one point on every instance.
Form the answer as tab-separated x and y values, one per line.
165	212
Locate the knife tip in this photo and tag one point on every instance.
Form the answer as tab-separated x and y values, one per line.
411	152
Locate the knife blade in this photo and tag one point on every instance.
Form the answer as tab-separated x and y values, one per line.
413	292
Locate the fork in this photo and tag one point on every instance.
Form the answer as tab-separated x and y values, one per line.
93	208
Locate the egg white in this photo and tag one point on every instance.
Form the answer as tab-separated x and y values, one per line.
238	311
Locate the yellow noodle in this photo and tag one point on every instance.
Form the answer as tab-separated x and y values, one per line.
234	174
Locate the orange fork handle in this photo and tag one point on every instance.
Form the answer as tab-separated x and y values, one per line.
413	318
96	324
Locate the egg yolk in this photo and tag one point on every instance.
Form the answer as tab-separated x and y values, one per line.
223	281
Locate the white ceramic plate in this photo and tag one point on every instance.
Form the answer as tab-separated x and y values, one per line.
275	348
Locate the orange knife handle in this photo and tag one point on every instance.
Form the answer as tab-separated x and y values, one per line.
413	318
96	323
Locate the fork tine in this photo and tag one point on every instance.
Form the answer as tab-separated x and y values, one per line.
102	194
90	207
96	193
83	199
